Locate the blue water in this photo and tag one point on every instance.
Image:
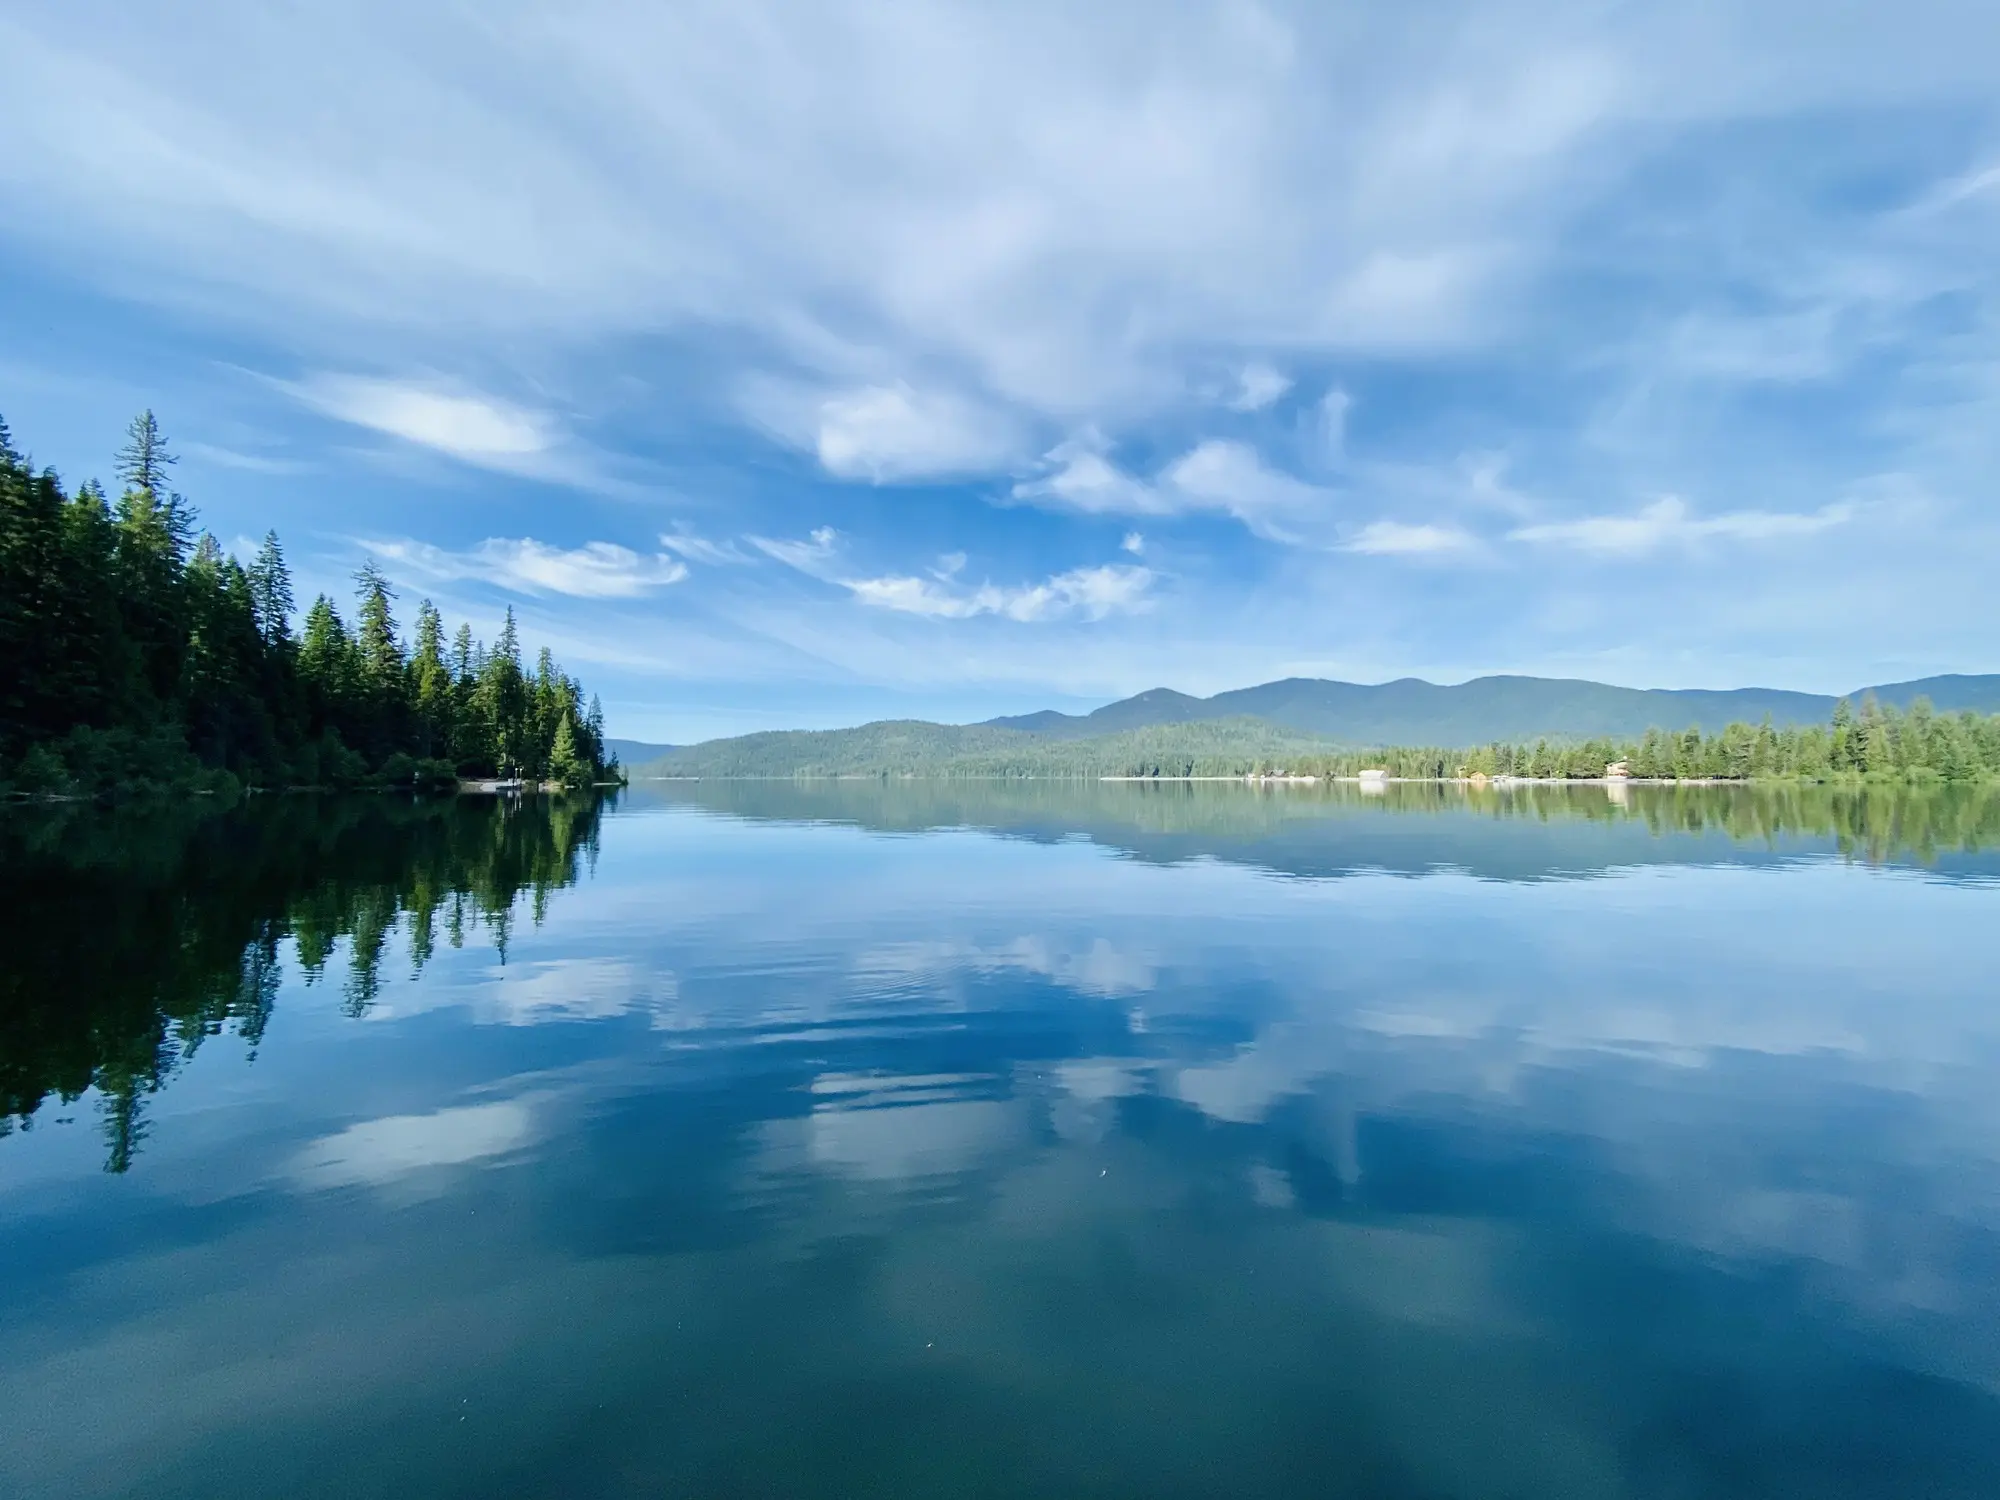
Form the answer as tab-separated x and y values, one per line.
1092	1147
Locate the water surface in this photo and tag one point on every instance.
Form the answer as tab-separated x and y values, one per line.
941	1138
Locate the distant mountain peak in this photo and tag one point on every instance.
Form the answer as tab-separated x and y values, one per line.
1499	706
1408	712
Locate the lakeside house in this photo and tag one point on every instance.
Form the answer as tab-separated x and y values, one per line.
1374	774
1618	770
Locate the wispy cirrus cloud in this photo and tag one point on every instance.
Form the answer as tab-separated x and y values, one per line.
1219	476
814	556
1080	593
1089	593
1233	478
471	426
760	265
595	570
698	549
886	433
1669	522
1406	539
1080	476
250	463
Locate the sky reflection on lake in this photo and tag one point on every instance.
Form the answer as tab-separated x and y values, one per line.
1036	1146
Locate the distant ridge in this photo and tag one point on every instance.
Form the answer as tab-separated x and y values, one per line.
1410	711
637	752
1278	719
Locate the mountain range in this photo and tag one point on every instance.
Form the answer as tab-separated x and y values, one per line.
1408	711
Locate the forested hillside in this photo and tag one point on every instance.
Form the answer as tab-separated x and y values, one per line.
1413	712
134	651
1877	740
906	747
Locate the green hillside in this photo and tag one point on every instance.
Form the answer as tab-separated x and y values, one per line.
636	752
906	747
1331	725
1413	712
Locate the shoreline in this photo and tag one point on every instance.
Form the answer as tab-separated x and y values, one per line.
1253	780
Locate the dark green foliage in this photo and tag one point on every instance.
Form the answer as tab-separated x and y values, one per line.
138	933
1879	742
134	653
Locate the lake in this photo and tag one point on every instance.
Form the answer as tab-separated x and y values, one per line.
894	1139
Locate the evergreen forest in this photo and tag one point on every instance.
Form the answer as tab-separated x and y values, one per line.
1874	742
136	652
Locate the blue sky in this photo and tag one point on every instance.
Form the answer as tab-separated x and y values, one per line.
803	364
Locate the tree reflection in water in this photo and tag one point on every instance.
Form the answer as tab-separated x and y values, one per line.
138	934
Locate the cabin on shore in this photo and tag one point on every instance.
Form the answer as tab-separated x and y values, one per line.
1618	770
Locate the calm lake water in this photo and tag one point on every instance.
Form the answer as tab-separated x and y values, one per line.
936	1139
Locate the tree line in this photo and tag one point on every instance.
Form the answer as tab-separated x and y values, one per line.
1876	742
135	651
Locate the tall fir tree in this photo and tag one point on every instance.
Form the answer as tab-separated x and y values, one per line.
271	592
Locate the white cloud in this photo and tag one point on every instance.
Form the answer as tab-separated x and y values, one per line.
596	570
231	458
1056	206
476	428
1080	477
1257	386
1085	593
696	549
1080	593
1230	477
1225	477
954	234
1401	539
886	433
814	556
1668	521
375	1153
1134	543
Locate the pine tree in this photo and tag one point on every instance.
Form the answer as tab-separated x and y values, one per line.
375	631
430	683
1846	754
144	460
1878	738
508	647
271	592
566	764
328	665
